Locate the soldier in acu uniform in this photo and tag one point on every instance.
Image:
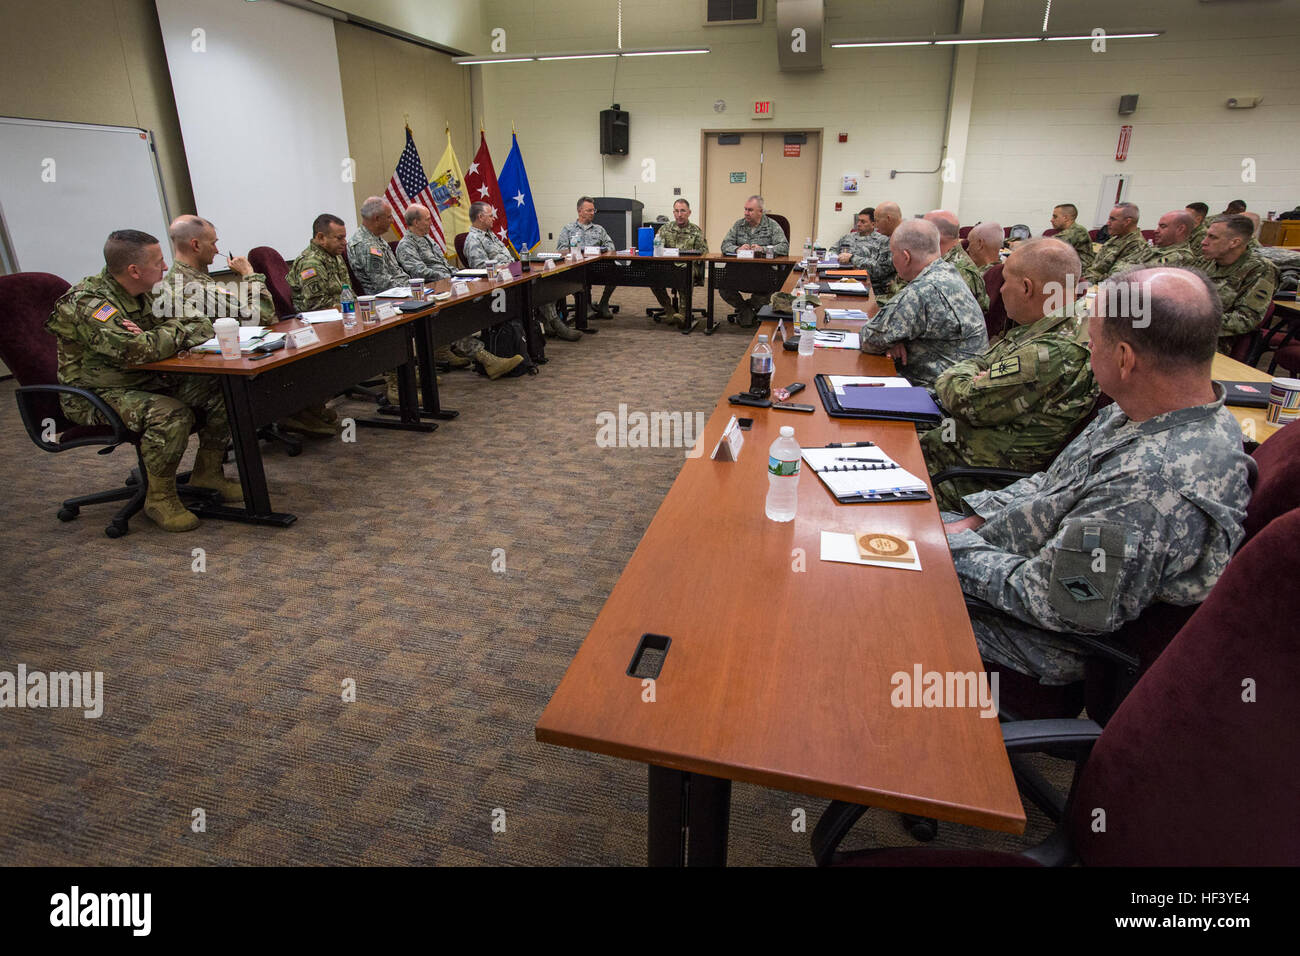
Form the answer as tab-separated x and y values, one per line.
934	322
1145	505
375	265
1069	231
1124	250
1246	280
753	231
679	234
857	247
421	258
107	323
1015	405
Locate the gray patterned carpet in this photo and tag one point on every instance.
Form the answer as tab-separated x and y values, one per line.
223	689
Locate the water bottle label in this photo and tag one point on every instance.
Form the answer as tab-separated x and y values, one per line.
782	469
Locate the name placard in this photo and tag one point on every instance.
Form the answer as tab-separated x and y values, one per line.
299	338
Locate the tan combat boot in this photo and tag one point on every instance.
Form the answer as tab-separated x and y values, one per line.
163	506
207	474
494	365
562	331
446	356
673	319
306	423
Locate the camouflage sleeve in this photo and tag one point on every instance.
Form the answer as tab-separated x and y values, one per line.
1011	386
110	338
696	240
901	320
562	240
1101	265
1248	308
777	239
316	293
730	242
409	259
606	241
1100	569
879	265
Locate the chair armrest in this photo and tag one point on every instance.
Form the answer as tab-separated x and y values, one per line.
1096	646
1038	736
1008	475
35	428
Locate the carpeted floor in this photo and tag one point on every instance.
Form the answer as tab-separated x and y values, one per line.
223	688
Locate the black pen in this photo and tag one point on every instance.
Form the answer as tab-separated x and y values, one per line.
852	444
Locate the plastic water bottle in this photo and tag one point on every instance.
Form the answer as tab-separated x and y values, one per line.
808	250
659	244
348	306
573	246
760	369
783	476
807	330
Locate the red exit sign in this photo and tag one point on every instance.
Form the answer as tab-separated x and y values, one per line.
762	109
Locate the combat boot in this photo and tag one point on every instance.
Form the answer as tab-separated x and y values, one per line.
207	474
674	319
494	365
445	356
163	506
305	423
561	331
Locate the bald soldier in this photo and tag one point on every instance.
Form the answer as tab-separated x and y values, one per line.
1244	279
984	245
105	325
420	258
880	264
1173	239
1145	505
934	322
1014	405
1064	221
1124	250
952	253
753	231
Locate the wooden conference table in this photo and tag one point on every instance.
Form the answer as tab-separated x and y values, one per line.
779	672
1254	421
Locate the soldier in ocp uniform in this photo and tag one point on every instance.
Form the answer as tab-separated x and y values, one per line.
420	258
1124	250
934	322
753	231
584	232
105	324
1014	405
952	253
1171	244
318	275
1069	231
1198	211
681	233
1245	280
1145	505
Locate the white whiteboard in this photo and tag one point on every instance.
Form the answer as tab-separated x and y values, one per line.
65	186
260	102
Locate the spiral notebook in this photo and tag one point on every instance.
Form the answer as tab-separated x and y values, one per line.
861	473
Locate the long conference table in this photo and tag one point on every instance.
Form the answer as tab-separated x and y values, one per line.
779	672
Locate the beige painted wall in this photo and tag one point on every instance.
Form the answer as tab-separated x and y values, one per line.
104	64
387	83
455	24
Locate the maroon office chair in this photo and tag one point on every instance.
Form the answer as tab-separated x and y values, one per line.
783	222
1196	768
31	352
1048	233
272	265
357	287
1093	233
964	231
995	319
460	249
1277	486
965	243
1148	234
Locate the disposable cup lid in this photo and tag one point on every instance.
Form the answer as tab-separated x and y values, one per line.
1287	382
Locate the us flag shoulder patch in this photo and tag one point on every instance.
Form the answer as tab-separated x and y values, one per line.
105	312
375	251
307	273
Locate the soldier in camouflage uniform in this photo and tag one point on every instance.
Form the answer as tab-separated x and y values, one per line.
1246	280
105	324
1171	242
420	258
1145	505
318	275
1015	405
375	265
858	246
1124	250
934	322
951	252
880	264
1198	211
984	245
681	233
584	232
1069	231
753	231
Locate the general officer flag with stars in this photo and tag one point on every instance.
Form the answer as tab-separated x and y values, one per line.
481	186
525	235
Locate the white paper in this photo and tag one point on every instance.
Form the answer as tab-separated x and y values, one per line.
845	340
250	337
853	285
844	548
480	273
839	381
847	315
397	292
323	315
867	471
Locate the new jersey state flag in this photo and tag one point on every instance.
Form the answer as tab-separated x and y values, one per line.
525	235
448	194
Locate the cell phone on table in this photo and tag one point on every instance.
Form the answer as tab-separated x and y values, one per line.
793	407
794	388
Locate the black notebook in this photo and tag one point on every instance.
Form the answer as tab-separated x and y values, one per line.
884	403
1246	394
862	473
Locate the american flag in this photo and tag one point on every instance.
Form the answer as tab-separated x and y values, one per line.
409	185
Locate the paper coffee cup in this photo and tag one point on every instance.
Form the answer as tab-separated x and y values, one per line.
227	337
1284	401
417	288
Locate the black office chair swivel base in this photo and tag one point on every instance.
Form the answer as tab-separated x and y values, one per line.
274	433
133	492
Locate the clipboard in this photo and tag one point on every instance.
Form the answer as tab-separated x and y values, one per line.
882	404
863	474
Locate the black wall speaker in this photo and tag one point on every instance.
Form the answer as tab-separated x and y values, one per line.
1128	104
614	131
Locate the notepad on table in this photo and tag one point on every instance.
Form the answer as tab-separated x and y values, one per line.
250	337
864	474
397	292
847	315
322	315
831	339
850	286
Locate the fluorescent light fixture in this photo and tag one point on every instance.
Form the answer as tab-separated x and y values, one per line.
593	55
702	49
473	61
957	39
578	56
